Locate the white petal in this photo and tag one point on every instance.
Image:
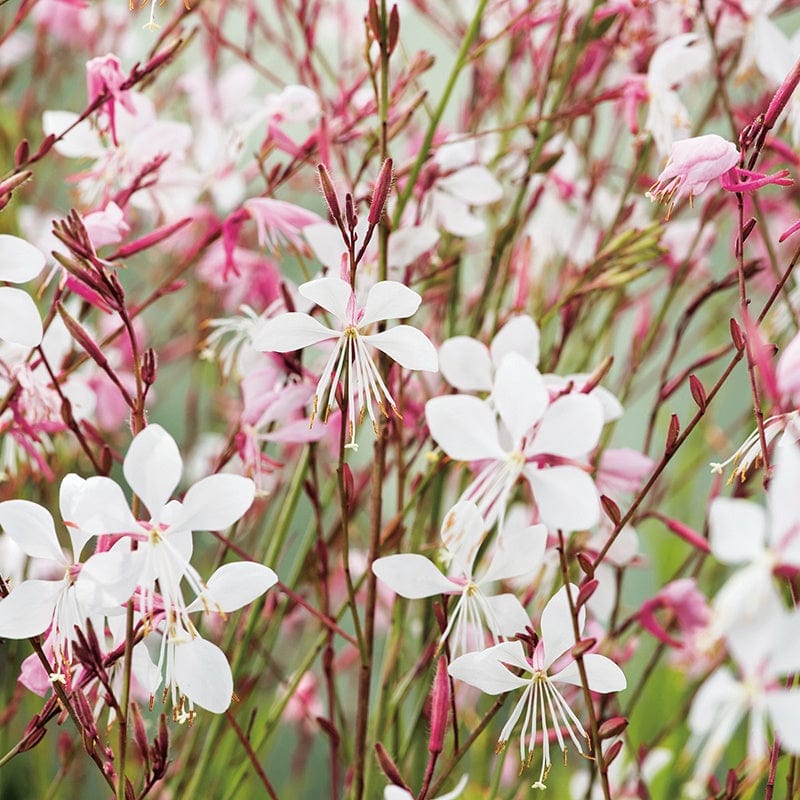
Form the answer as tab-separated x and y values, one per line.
509	613
291	331
565	496
464	427
570	427
465	364
454	215
389	300
737	529
28	610
785	657
332	294
20	322
413	576
326	242
20	261
782	499
396	793
409	347
108	579
32	528
556	624
153	468
456	791
519	335
98	507
719	691
406	245
519	394
483	671
463	532
203	674
474	185
81	141
602	674
235	585
518	552
214	503
784	712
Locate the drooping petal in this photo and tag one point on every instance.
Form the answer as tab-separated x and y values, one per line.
153	467
602	674
332	294
28	610
784	711
20	261
235	585
556	624
214	503
203	675
464	427
413	576
737	530
31	527
406	345
484	671
291	331
20	322
570	427
519	335
389	300
465	364
518	552
565	496
519	394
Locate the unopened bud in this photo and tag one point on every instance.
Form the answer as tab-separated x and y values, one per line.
389	767
586	564
588	588
583	646
440	704
698	392
394	28
329	193
149	366
736	335
382	188
611	509
613	752
612	727
22	152
672	433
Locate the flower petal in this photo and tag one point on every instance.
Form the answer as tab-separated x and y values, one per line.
519	335
214	503
389	300
782	503
556	624
519	394
81	140
485	671
28	610
602	674
510	615
565	496
464	427
570	427
465	363
737	529
463	531
291	331
95	507
326	242
518	552
31	527
409	347
153	467
20	322
235	585
203	674
406	245
784	711
20	261
413	576
332	294
473	184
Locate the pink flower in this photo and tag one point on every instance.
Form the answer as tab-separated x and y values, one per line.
107	226
104	75
279	222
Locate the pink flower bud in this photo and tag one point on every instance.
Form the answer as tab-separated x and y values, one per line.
440	705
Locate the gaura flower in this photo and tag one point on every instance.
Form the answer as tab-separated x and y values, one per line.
350	359
518	552
20	261
543	705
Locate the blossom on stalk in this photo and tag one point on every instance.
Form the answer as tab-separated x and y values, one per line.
519	551
542	704
20	261
541	440
350	359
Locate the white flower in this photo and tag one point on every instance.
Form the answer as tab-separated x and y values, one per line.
350	358
541	702
20	261
398	793
542	440
414	576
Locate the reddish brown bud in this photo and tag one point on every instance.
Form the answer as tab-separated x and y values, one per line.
586	564
373	20
389	767
672	433
613	751
583	646
140	734
440	704
382	187
588	588
22	152
698	392
736	335
349	486
329	193
611	509
149	366
394	28
81	336
612	727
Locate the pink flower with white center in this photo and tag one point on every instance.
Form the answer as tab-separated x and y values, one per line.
20	262
518	552
541	440
542	704
88	590
350	359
